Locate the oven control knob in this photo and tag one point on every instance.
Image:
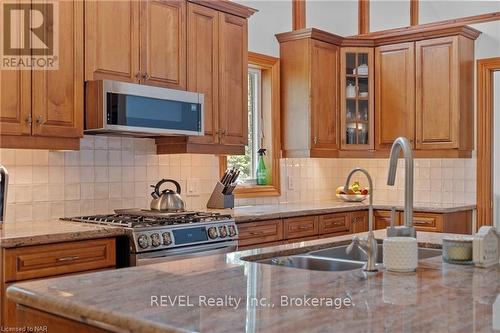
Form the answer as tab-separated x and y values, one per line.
232	230
143	241
212	232
222	231
155	240
167	239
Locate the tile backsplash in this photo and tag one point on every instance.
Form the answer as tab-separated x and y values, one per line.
113	172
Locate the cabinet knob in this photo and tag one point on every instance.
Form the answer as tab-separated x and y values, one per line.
315	140
138	76
29	120
40	120
146	76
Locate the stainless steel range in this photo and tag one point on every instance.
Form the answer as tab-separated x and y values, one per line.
157	236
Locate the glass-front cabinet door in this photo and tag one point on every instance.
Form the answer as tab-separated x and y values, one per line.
357	103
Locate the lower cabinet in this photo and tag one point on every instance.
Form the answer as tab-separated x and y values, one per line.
50	260
305	228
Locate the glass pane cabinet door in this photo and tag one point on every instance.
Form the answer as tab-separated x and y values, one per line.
357	99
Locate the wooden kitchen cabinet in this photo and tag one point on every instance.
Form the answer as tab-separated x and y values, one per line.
260	232
163	42
359	221
310	93
382	219
444	93
44	108
217	67
112	46
356	96
299	227
140	42
334	223
49	260
395	93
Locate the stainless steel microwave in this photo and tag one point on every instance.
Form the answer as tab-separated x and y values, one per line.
140	110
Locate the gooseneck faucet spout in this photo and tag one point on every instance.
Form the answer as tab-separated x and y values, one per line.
369	244
403	144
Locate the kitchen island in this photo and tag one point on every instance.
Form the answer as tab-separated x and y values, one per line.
223	293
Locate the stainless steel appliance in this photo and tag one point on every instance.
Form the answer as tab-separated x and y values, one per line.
156	236
167	200
4	185
140	110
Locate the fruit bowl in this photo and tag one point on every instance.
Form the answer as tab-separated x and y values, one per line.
352	197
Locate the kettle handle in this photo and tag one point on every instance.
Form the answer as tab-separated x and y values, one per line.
163	181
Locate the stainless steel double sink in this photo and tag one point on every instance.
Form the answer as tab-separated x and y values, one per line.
335	259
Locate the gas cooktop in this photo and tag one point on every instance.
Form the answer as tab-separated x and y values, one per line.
146	218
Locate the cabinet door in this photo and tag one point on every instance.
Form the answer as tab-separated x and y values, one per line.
324	95
15	102
58	94
112	40
437	93
233	86
203	61
163	43
382	219
359	221
394	93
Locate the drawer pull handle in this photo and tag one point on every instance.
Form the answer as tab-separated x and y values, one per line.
303	227
255	233
66	259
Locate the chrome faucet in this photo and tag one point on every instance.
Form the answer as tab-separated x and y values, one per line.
369	244
403	144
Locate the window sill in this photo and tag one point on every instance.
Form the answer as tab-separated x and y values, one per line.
255	191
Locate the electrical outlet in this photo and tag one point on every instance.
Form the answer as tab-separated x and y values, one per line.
193	187
291	183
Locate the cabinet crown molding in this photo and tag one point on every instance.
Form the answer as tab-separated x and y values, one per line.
227	6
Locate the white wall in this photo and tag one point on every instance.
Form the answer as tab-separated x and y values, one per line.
389	14
496	150
432	10
272	17
338	16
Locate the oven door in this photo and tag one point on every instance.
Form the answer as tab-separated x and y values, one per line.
148	258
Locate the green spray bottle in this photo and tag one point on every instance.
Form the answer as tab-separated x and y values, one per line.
261	168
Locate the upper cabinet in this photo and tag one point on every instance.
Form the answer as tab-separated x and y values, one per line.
43	108
352	97
309	94
356	82
444	93
217	66
395	91
424	91
136	41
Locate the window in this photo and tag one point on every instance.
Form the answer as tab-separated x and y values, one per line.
263	129
247	164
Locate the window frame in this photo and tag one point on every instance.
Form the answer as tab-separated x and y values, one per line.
270	76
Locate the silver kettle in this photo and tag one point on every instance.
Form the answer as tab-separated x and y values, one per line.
167	200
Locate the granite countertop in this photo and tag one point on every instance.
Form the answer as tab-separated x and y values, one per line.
14	234
252	297
284	210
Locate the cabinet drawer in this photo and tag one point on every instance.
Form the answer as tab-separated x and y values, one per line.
427	222
382	219
260	232
55	259
332	223
299	227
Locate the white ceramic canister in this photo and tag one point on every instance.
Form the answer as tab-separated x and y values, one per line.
400	254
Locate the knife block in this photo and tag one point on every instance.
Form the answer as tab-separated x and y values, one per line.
219	200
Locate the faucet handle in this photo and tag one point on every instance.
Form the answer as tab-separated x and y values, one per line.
355	242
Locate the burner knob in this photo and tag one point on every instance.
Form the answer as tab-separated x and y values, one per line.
155	240
143	241
212	232
222	231
232	230
167	239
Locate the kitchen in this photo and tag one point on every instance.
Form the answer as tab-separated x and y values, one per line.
245	154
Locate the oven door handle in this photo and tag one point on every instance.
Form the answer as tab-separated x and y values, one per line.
185	253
